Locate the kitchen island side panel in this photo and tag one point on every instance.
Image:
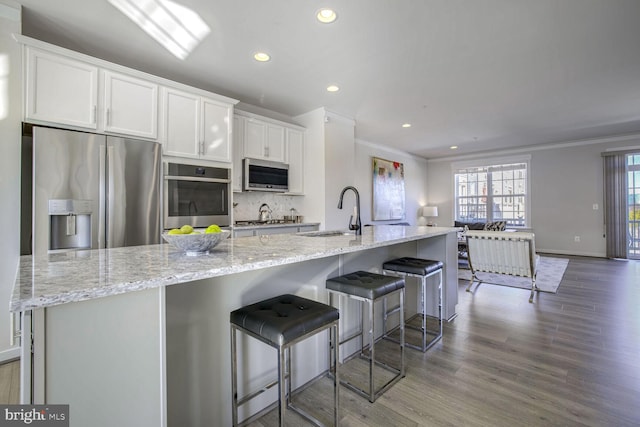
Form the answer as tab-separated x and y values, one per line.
105	358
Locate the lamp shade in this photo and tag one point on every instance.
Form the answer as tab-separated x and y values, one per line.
430	211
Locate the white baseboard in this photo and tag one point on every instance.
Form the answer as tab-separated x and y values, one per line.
574	253
10	354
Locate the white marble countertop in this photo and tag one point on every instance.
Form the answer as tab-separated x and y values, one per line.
82	275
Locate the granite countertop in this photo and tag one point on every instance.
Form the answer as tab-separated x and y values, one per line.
82	275
273	225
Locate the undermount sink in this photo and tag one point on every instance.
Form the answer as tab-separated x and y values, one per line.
325	233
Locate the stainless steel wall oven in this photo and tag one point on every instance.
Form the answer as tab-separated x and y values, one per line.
196	195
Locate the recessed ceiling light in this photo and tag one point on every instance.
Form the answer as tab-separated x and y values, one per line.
406	125
332	88
261	57
454	147
326	16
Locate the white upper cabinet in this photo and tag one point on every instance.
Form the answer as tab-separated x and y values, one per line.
196	127
61	90
263	140
131	105
216	130
68	89
260	137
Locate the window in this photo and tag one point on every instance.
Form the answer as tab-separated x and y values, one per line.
492	192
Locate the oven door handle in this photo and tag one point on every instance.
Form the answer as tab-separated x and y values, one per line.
192	179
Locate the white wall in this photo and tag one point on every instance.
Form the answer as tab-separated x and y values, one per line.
566	181
339	170
10	136
313	202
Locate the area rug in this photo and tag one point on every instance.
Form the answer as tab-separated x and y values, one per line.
550	272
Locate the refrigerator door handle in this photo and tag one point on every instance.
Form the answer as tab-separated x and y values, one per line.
110	196
102	211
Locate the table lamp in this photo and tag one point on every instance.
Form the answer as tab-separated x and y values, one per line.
430	212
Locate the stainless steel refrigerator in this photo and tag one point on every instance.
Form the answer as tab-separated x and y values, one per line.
83	190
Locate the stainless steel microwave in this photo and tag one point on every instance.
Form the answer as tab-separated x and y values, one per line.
196	195
265	175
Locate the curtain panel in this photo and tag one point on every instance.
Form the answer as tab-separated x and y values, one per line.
615	205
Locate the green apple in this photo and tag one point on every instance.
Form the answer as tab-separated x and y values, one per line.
174	231
213	228
186	229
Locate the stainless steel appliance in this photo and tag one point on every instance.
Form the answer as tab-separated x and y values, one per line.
263	175
88	191
196	195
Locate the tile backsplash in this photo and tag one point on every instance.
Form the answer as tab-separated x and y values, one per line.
247	204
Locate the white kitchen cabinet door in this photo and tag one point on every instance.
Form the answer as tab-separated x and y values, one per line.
238	150
295	158
61	90
275	146
254	138
263	140
216	130
131	106
182	124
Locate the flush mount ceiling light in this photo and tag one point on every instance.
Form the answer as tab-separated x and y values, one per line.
406	125
454	147
261	57
326	16
332	88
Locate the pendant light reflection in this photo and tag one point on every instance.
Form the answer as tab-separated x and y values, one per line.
177	28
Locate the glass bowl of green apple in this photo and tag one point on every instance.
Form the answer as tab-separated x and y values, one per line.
195	242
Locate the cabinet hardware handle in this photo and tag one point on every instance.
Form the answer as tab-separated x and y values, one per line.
94	115
108	117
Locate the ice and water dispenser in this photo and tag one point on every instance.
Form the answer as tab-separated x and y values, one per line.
69	224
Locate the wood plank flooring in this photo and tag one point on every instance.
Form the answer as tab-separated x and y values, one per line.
569	359
10	383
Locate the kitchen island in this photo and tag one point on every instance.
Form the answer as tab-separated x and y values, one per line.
122	347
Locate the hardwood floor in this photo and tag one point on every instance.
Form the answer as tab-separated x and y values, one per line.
568	359
10	383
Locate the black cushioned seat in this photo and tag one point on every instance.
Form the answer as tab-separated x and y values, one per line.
365	285
410	265
284	318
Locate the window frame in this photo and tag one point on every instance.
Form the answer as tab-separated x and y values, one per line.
495	162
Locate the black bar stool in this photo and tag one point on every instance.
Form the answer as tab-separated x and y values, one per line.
281	322
368	288
422	269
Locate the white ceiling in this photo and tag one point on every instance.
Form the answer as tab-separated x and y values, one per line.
479	74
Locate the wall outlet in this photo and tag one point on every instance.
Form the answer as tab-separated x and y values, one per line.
595	207
576	239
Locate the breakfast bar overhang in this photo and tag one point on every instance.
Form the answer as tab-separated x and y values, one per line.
104	332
